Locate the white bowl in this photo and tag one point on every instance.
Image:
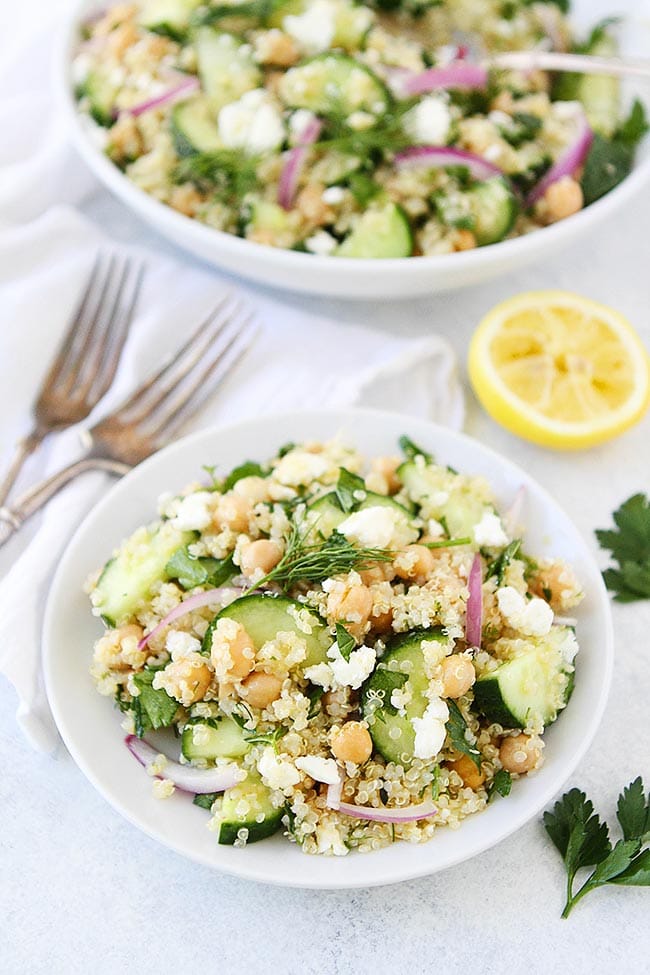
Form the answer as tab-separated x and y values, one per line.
339	277
90	725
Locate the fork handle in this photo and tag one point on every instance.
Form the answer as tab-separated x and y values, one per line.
33	500
23	449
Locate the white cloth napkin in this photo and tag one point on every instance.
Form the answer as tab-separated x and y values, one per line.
46	250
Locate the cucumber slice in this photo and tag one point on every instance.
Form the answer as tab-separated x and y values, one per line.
268	216
533	687
248	806
226	66
101	94
194	127
599	94
127	579
352	21
494	208
402	666
263	616
433	485
325	515
334	83
219	738
382	231
168	17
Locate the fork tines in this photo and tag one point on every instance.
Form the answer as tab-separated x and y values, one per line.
191	374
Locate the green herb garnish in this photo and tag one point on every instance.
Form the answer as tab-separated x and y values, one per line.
611	160
346	487
250	468
500	564
501	784
203	571
205	800
345	641
411	450
151	709
448	542
457	729
225	172
583	841
630	547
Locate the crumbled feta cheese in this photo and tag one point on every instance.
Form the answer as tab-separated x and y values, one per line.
321	675
253	123
569	647
300	120
434	528
321	242
428	123
329	841
430	730
333	195
315	28
377	527
361	120
401	697
489	531
181	644
352	672
277	773
533	617
300	468
321	769
193	513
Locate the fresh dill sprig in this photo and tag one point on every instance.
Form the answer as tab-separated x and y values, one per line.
305	561
227	173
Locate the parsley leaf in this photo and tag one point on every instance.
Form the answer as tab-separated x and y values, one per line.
501	784
583	841
250	468
630	547
345	641
152	709
610	160
635	125
346	486
411	450
384	683
499	565
456	729
204	571
205	800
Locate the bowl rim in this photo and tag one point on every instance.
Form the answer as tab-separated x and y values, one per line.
206	238
247	868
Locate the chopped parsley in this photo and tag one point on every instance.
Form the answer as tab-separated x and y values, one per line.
411	450
347	486
457	731
629	545
151	709
345	641
203	571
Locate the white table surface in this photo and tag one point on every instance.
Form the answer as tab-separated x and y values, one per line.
82	890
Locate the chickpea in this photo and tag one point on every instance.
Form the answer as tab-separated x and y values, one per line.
186	679
252	488
562	199
233	651
463	240
184	198
311	205
382	622
458	675
520	753
379	572
415	563
121	38
387	467
259	689
352	743
472	777
556	582
234	512
275	47
262	554
354	607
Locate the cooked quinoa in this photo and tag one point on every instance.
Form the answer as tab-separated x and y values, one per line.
361	637
346	129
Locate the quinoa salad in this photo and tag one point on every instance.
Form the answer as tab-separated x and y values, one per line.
348	129
349	651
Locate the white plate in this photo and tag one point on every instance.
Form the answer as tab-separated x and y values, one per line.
90	726
340	277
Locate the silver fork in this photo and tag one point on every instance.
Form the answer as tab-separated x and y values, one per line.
86	362
155	411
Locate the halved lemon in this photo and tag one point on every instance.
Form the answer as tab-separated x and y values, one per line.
559	369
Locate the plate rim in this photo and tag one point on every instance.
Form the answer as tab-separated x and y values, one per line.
248	871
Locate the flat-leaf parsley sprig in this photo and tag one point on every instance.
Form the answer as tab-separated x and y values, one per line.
629	544
583	841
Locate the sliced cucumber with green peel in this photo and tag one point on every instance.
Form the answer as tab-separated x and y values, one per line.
533	687
383	231
334	84
168	17
101	93
494	208
194	126
226	66
402	666
263	616
326	514
599	94
264	215
127	580
459	507
214	738
247	813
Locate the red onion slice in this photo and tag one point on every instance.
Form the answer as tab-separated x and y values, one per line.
334	793
407	814
294	163
443	156
189	85
567	164
474	620
460	75
513	514
185	777
187	606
